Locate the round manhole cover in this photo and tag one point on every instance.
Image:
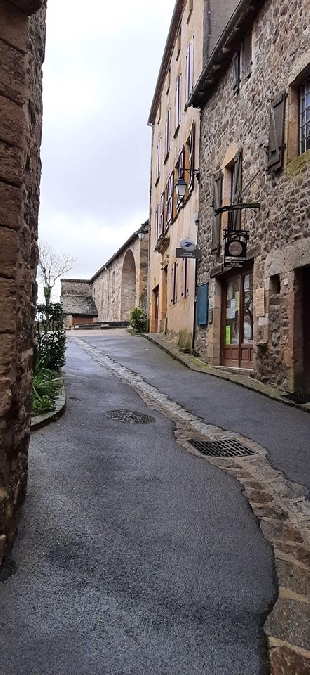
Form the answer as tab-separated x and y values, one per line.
129	416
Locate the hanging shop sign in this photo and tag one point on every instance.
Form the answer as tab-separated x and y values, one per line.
235	246
182	253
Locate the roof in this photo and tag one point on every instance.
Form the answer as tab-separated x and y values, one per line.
120	250
221	57
174	26
80	305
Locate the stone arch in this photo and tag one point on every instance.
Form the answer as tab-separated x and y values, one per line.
128	285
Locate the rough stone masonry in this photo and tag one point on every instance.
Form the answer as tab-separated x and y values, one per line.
22	41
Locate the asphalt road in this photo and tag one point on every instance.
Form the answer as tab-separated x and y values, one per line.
134	556
283	430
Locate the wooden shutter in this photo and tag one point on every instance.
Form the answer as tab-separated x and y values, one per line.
180	174
217	203
169	199
247	55
234	219
161	214
276	133
202	304
178	102
167	135
191	158
236	71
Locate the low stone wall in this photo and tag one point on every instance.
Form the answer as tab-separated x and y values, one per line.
22	40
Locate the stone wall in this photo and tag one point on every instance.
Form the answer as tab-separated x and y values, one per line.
22	40
122	282
279	241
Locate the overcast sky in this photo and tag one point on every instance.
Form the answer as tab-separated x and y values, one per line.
101	66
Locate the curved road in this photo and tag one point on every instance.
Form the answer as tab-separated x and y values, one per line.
134	556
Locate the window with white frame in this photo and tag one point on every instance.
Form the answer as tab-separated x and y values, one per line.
178	102
189	84
304	116
168	131
158	157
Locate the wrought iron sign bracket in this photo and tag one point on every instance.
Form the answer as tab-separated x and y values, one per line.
237	207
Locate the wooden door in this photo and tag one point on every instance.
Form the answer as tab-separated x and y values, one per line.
238	321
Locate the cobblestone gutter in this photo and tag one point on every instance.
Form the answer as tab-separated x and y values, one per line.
283	515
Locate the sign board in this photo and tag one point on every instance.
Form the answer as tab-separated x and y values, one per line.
235	244
181	253
187	244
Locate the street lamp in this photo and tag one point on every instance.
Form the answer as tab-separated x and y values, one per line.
141	231
181	184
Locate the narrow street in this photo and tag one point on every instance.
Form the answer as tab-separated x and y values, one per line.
135	554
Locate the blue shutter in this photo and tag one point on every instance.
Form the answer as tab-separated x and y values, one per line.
202	304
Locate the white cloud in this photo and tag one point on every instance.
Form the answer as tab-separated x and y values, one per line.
99	78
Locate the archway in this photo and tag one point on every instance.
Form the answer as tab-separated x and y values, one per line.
128	286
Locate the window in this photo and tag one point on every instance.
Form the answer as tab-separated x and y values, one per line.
158	157
242	62
167	134
178	102
174	283
304	116
169	199
189	69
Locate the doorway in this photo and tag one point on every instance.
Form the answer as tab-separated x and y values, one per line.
156	308
237	332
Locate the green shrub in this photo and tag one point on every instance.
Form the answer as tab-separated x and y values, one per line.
50	337
138	319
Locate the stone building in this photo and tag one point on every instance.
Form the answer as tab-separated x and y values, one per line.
22	40
194	30
77	302
254	97
119	285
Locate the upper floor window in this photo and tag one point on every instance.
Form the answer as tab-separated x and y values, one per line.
189	84
158	157
168	130
242	62
178	102
304	116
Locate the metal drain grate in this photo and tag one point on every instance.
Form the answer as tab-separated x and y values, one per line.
129	416
297	397
226	448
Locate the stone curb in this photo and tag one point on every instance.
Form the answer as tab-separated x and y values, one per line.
39	421
196	364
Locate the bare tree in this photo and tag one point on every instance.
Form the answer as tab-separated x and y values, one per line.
51	267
